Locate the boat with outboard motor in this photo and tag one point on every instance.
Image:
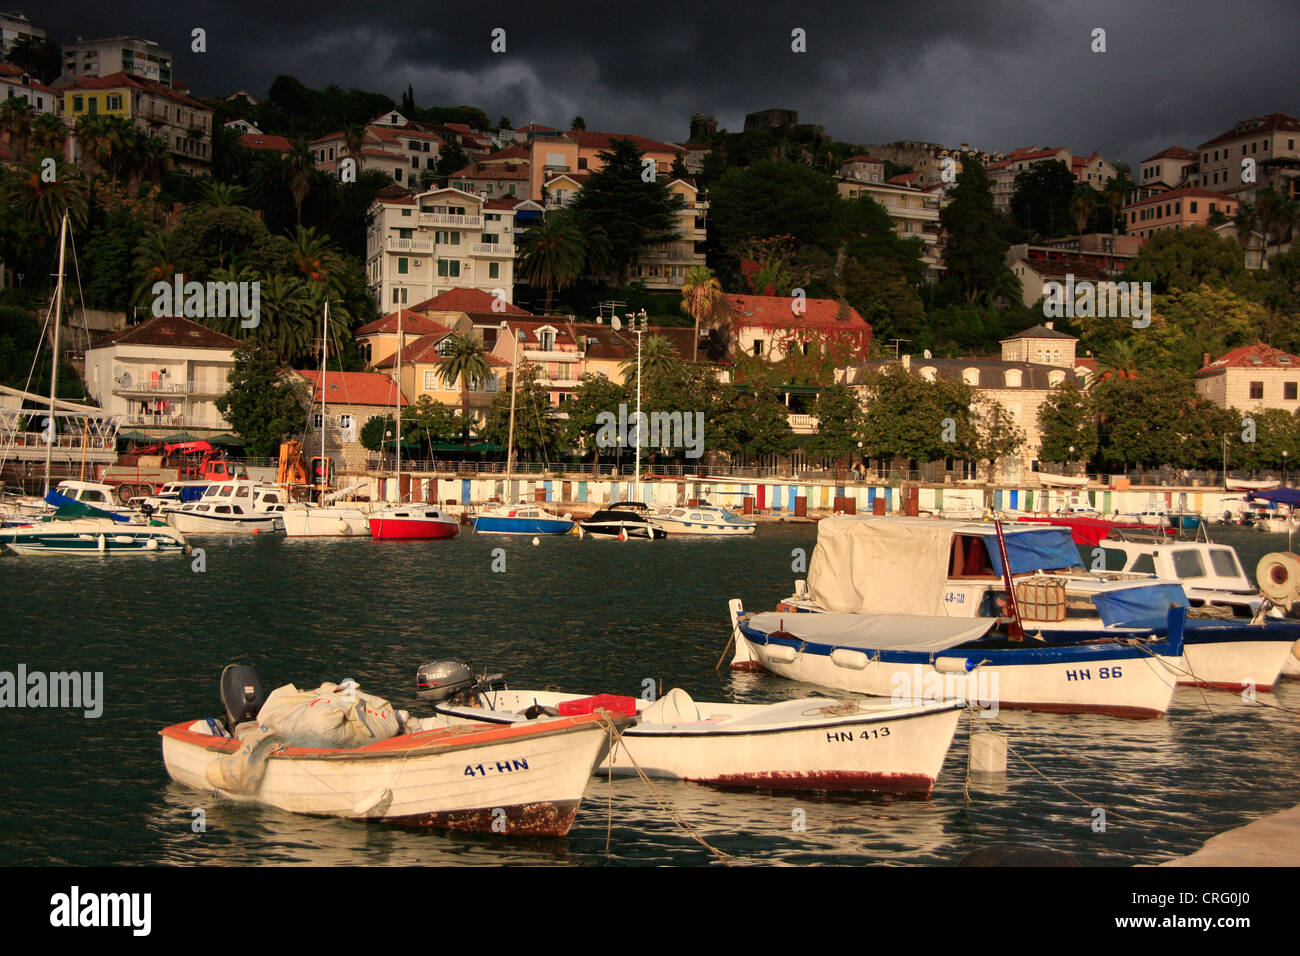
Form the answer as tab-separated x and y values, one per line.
702	519
624	520
789	745
335	751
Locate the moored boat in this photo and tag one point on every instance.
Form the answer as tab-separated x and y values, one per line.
702	519
80	529
232	507
525	779
411	522
813	743
622	520
522	518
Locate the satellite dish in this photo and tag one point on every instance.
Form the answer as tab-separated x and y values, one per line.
927	354
616	322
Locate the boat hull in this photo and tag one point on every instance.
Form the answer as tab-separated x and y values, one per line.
489	524
1237	657
526	780
412	529
89	536
1100	678
675	528
188	522
808	744
327	522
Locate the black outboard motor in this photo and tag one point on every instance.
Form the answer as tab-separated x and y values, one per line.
241	694
447	680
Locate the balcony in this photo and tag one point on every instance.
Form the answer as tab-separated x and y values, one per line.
803	424
499	249
126	387
409	245
168	420
446	219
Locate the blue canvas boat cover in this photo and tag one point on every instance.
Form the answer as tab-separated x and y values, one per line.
72	508
1282	496
1040	549
1146	605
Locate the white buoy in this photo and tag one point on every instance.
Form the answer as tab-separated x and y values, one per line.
988	752
101	543
537	541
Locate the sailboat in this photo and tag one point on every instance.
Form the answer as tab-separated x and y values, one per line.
521	517
408	521
324	519
76	527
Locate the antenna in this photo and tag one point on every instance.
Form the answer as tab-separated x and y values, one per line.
896	343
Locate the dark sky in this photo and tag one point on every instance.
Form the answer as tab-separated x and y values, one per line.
990	73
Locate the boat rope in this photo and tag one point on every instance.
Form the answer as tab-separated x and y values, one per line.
1200	685
616	736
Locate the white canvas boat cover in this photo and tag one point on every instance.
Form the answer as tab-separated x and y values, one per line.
332	715
880	565
884	632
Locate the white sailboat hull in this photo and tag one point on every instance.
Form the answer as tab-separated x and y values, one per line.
331	521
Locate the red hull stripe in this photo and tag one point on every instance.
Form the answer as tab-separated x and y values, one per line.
553	818
843	780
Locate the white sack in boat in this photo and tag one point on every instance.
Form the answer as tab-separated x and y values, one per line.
880	565
885	632
242	771
332	715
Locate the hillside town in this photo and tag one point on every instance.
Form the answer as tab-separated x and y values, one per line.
828	306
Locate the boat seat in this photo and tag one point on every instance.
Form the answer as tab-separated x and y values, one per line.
675	707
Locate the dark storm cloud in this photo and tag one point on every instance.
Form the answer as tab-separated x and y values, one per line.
993	74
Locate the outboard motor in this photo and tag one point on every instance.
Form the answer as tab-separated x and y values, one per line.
241	694
442	680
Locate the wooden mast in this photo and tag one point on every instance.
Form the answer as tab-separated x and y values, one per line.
54	359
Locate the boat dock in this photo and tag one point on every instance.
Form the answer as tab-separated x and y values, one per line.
1273	840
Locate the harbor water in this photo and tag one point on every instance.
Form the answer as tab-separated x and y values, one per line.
581	615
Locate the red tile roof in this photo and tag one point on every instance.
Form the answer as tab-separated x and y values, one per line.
1252	356
514	152
1173	152
776	311
467	300
174	331
353	388
903	179
604	141
263	141
862	158
413	323
114	80
1192	192
424	351
1255	125
9	70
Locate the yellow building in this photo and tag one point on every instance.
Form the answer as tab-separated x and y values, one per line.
180	121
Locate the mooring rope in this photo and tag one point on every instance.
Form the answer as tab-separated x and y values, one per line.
664	803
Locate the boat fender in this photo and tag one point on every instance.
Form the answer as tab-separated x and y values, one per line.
375	804
954	665
781	653
151	544
342	526
101	545
988	752
536	541
854	660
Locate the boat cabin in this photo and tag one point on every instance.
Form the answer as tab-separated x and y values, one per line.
88	493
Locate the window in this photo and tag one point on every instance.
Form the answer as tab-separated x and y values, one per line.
494	271
1188	564
430	380
1289	391
758	348
1225	563
114	101
401	265
316	420
1256	389
547	340
449	268
77	104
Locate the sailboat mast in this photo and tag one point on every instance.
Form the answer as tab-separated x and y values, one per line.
397	403
514	376
54	359
324	341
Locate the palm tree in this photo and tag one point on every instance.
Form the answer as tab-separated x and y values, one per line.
155	260
657	356
465	362
553	254
43	202
354	141
1118	358
1082	205
1276	215
290	312
16	120
702	299
1247	223
216	194
49	135
300	175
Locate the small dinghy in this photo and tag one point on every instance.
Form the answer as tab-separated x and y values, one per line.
813	743
335	751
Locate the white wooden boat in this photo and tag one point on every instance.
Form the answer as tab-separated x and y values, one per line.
92	535
425	772
813	743
241	506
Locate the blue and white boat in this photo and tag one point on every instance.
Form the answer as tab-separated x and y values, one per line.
521	518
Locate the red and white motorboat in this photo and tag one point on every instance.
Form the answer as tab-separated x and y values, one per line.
412	522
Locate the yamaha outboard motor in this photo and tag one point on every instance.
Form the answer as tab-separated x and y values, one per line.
241	694
446	680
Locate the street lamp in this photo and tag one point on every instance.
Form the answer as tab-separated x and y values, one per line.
637	322
1284	456
1069	460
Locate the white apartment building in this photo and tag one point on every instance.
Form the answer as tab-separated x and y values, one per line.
13	26
15	84
914	213
132	55
418	245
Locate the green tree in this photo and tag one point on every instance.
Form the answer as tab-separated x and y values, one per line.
1041	203
536	428
633	212
595	396
839	425
994	434
16	117
39	57
774	198
1067	424
465	362
702	300
977	247
1185	259
263	405
750	421
552	254
908	417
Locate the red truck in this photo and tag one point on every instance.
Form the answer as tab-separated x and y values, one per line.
142	472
